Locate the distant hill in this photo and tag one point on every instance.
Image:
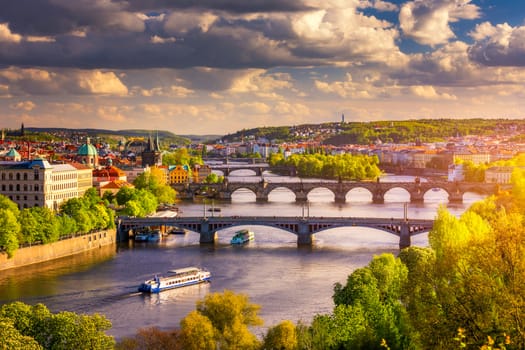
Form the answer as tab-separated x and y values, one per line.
165	137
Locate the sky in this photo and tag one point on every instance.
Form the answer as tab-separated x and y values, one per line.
219	66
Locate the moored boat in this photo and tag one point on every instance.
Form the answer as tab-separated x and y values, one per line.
242	236
141	236
175	279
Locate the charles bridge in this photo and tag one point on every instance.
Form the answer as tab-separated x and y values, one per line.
340	189
303	227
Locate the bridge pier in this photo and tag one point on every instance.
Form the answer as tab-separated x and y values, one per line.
378	197
455	197
340	197
404	235
207	235
301	196
261	197
304	236
417	197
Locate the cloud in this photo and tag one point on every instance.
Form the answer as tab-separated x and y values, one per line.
428	92
427	21
6	36
226	34
379	5
33	81
500	45
23	105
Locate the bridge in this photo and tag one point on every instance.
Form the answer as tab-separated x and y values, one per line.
226	169
261	189
303	227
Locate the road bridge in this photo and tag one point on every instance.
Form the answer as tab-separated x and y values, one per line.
303	227
340	189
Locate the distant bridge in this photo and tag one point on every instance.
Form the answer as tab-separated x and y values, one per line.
261	189
303	227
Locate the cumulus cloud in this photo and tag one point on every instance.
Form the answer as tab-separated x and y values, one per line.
427	21
500	45
429	92
45	82
379	5
6	36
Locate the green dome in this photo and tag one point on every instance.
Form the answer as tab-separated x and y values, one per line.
87	149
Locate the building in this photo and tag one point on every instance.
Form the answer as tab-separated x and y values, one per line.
85	177
201	172
179	174
113	187
499	174
37	183
151	155
88	154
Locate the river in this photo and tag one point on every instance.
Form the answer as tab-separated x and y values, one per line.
289	283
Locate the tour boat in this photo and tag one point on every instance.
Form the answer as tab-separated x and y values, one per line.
175	279
242	236
178	231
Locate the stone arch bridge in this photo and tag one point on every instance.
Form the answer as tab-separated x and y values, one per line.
303	227
417	191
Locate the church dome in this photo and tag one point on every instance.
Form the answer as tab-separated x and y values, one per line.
87	149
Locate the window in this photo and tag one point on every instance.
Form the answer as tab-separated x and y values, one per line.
37	188
25	176
18	187
18	176
36	174
3	176
10	176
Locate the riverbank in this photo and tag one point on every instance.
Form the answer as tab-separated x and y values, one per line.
47	252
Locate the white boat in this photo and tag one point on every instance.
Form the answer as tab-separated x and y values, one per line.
242	236
175	279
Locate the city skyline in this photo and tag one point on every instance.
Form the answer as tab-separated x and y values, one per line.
214	67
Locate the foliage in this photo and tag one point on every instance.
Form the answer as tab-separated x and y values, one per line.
229	315
214	179
344	167
182	156
36	325
282	337
155	182
151	338
369	305
9	230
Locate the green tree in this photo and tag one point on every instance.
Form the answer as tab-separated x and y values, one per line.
13	339
9	232
6	203
377	290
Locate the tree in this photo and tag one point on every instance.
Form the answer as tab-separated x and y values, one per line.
65	330
28	226
281	337
375	291
151	338
230	315
6	203
13	339
9	232
197	332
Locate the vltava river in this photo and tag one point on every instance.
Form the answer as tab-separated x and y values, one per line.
288	282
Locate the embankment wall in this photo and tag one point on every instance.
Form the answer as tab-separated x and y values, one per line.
46	252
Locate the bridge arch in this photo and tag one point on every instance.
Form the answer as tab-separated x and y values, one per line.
233	172
397	191
286	194
315	192
359	194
